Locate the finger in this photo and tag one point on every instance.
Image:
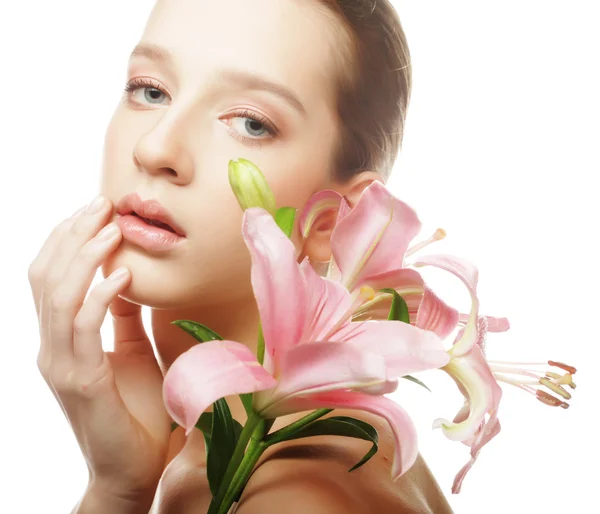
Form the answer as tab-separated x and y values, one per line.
38	266
87	342
82	230
38	279
129	330
65	316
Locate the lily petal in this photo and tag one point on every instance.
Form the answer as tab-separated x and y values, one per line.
318	367
279	285
468	273
493	324
436	315
403	279
373	237
387	387
320	202
403	430
207	372
344	210
406	349
472	374
425	308
328	303
486	434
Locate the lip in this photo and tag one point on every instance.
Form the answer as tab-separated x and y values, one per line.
151	238
151	209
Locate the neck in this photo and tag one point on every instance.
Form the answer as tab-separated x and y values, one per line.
235	322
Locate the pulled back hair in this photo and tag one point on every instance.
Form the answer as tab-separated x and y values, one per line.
373	85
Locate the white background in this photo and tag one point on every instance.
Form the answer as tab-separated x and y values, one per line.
501	150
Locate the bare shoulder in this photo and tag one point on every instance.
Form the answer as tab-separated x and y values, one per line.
311	475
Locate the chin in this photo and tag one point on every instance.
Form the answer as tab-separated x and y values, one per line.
153	282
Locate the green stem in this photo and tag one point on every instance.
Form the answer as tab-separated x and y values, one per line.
243	460
241	477
283	433
238	455
258	444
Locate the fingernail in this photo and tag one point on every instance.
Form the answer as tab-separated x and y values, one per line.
108	232
118	273
96	205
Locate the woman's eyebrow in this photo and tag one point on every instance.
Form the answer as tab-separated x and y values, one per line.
162	56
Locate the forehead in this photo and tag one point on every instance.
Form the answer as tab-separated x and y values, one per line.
287	41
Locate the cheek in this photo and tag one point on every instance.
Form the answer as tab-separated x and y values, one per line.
302	167
297	184
117	157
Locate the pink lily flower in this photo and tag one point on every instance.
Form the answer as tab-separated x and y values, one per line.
385	266
369	244
315	355
477	422
380	267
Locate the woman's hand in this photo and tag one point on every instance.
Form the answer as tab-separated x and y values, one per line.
112	400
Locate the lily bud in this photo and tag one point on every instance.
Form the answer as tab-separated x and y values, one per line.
250	186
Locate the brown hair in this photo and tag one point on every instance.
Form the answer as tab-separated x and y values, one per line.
373	84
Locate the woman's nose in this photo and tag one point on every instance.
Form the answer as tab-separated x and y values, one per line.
162	151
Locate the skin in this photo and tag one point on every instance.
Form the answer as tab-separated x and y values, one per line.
172	141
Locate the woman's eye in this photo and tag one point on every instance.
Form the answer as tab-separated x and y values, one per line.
248	123
250	126
150	93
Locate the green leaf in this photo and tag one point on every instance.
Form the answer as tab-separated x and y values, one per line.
196	330
399	309
344	426
220	443
205	422
416	381
174	425
284	217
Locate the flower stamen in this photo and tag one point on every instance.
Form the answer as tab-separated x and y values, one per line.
438	235
532	380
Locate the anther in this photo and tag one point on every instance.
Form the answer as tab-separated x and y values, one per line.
548	399
555	387
566	367
439	234
566	379
367	293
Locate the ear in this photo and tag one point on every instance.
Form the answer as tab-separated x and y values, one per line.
318	243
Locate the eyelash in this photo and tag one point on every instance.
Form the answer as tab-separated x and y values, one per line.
136	84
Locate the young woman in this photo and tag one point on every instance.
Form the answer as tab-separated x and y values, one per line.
315	93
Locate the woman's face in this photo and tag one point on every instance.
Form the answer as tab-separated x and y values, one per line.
191	111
